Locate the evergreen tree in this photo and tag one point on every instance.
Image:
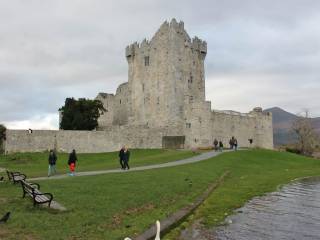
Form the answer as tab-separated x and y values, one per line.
81	114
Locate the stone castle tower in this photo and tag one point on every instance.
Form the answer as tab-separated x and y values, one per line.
165	74
166	91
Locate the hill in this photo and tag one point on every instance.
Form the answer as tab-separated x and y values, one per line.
282	122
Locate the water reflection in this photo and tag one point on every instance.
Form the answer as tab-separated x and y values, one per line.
291	213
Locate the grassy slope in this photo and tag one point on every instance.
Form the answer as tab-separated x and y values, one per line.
116	205
252	174
36	164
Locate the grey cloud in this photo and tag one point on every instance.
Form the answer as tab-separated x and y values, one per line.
50	50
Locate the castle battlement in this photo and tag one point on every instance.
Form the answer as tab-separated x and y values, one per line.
173	27
199	45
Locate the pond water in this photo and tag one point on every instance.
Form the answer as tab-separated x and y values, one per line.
291	213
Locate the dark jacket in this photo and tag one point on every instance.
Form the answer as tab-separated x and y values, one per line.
235	142
52	159
126	156
72	158
121	154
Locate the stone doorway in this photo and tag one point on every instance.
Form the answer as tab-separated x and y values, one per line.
173	142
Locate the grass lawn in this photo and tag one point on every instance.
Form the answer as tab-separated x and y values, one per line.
113	206
36	164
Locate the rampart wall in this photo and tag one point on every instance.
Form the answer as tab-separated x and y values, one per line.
110	139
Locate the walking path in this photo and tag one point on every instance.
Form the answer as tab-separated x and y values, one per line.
198	158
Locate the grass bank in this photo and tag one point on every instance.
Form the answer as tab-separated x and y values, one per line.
36	164
253	173
113	206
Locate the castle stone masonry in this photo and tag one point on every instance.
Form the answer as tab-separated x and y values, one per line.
166	89
163	104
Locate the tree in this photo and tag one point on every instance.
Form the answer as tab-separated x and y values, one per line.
80	114
2	136
307	137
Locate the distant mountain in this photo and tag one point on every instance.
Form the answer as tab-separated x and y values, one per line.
281	119
282	122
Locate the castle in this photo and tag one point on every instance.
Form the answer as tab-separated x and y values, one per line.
166	90
162	105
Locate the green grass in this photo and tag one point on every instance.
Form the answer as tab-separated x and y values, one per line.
36	164
113	206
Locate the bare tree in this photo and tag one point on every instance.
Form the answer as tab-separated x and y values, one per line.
306	135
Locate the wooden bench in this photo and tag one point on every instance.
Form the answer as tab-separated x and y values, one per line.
32	189
16	177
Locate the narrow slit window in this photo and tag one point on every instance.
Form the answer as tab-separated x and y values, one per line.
146	61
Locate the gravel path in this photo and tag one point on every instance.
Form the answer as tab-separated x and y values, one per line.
198	158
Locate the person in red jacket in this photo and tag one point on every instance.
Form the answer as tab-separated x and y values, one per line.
72	162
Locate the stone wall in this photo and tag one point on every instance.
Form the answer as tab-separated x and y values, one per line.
111	139
107	100
255	126
64	141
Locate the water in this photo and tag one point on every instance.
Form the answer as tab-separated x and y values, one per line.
293	213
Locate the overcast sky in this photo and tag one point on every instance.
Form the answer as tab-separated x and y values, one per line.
260	53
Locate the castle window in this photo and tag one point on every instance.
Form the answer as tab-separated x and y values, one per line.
143	87
146	61
190	99
188	125
120	101
158	100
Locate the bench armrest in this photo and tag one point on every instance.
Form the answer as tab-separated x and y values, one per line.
18	174
49	195
35	185
21	175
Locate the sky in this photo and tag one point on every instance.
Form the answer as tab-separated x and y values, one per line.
260	53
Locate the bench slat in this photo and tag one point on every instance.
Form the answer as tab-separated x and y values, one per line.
32	190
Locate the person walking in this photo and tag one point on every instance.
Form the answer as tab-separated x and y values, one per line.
235	143
220	146
72	162
126	158
231	143
215	143
52	163
121	157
